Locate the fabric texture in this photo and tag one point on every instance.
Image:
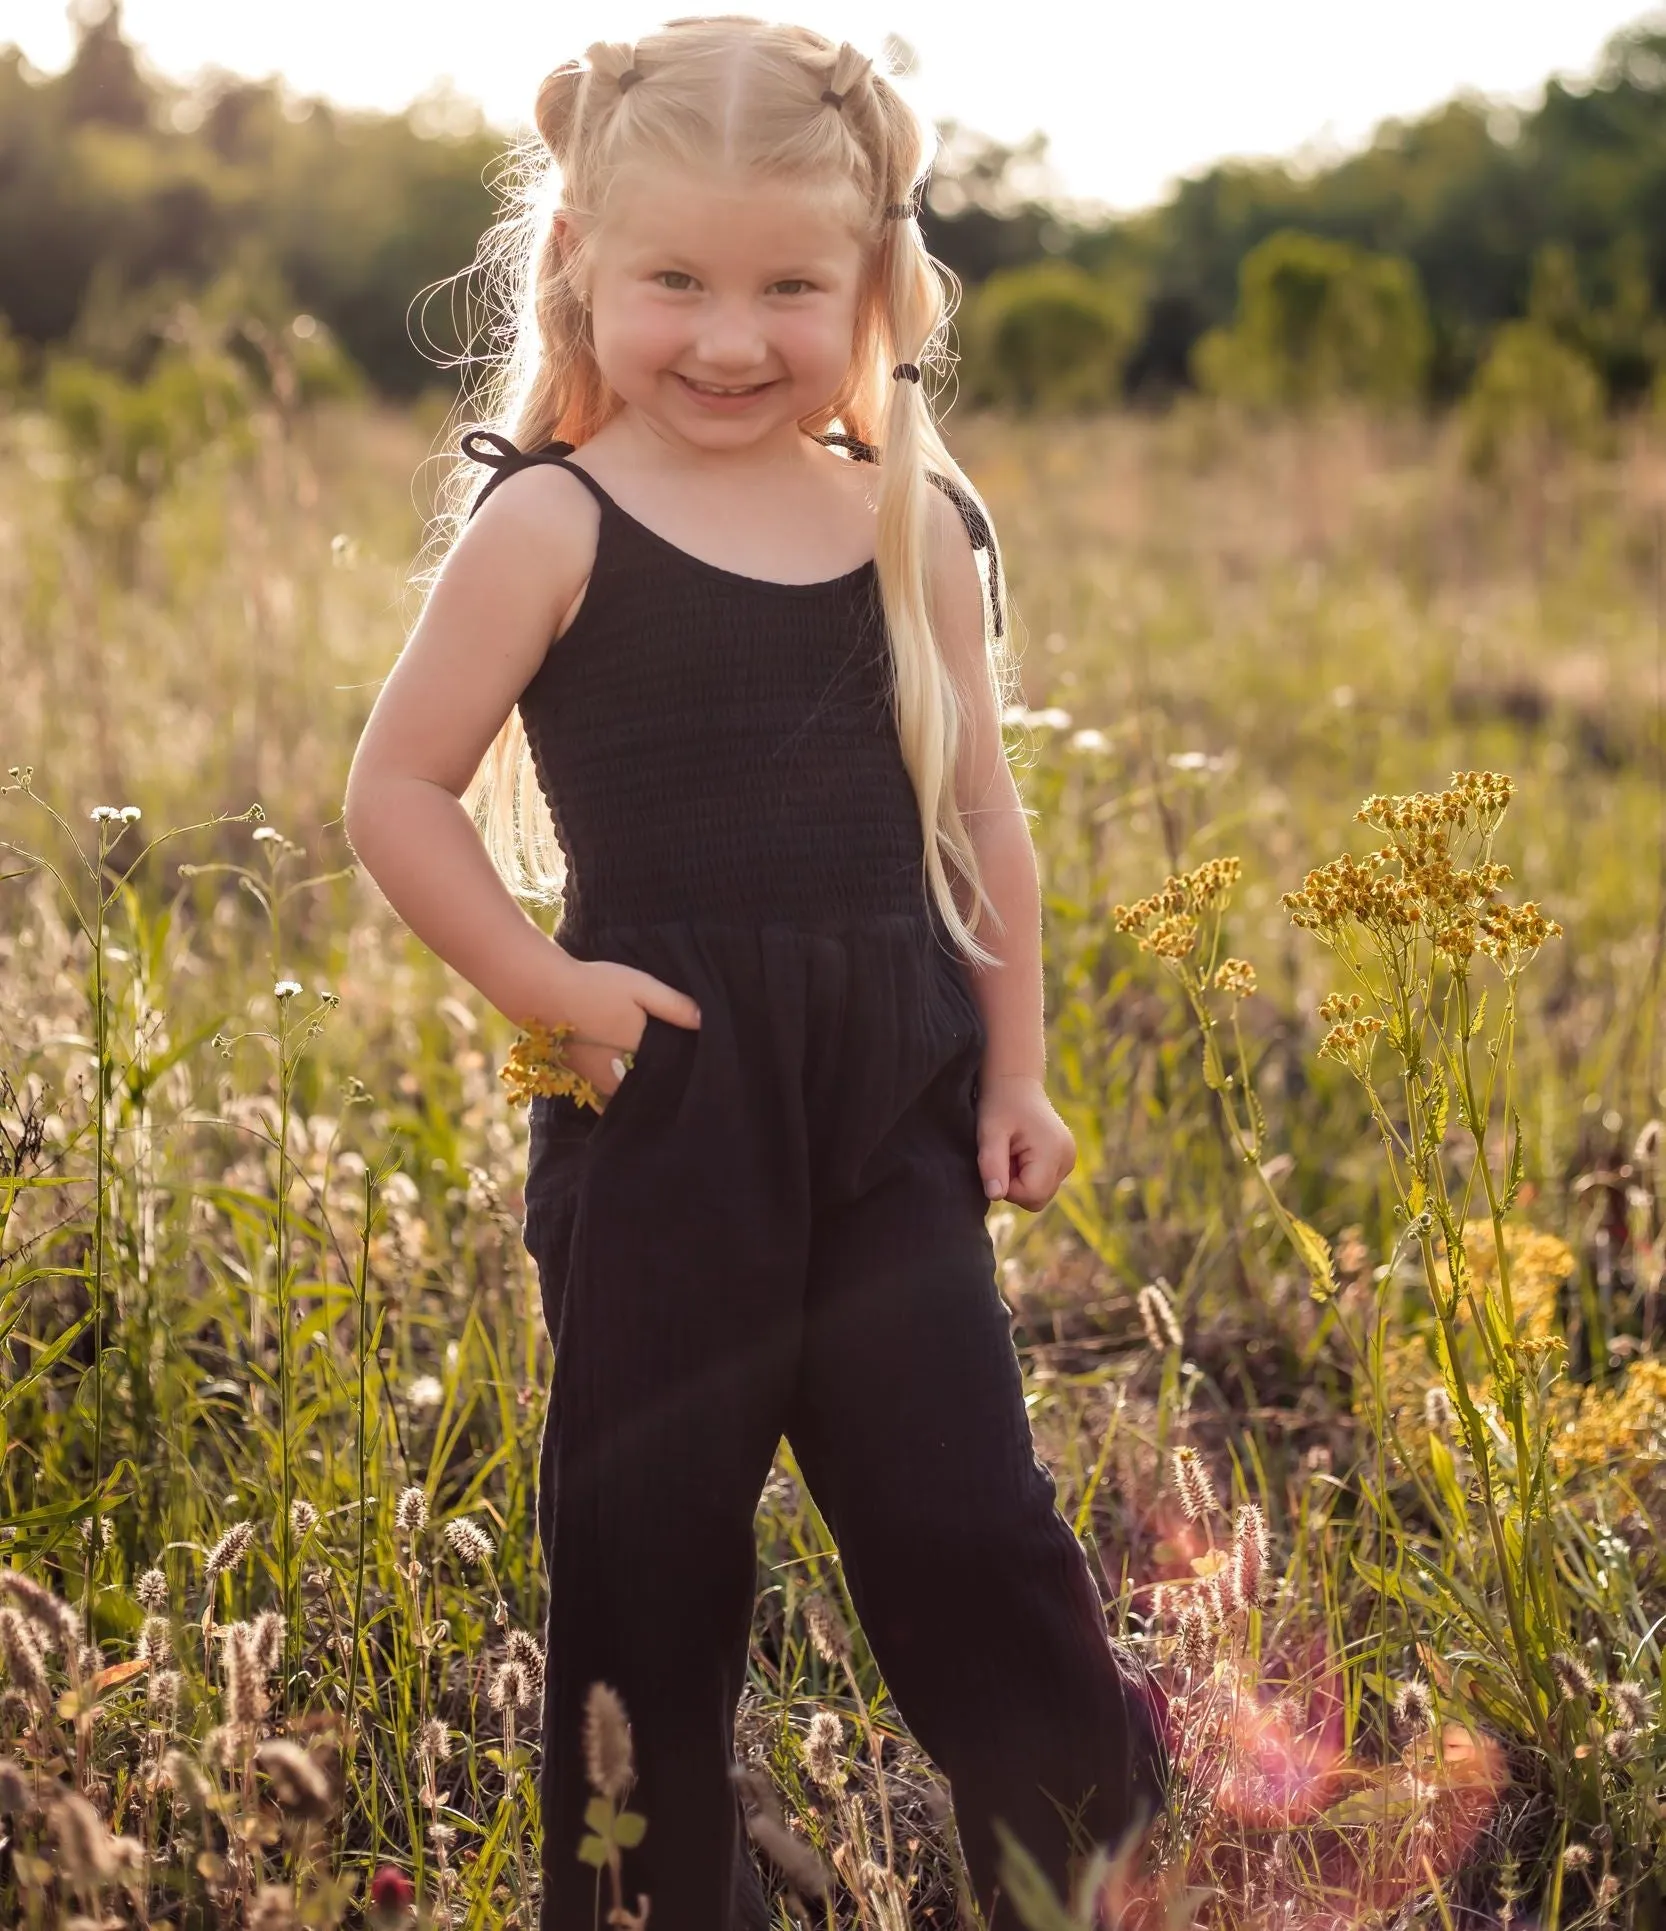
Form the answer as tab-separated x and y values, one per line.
776	1226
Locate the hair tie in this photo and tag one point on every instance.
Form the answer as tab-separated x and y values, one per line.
629	78
906	372
832	99
899	210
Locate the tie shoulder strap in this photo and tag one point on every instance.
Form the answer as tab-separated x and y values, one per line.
977	524
503	458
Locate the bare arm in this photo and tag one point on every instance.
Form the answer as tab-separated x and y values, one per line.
490	616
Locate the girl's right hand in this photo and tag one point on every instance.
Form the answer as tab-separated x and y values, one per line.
607	1005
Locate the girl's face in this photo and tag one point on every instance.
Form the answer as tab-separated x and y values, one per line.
723	307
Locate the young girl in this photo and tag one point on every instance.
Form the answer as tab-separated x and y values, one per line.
725	580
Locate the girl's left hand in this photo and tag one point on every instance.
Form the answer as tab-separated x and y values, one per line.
1024	1149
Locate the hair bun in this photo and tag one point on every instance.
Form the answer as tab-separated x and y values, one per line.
556	109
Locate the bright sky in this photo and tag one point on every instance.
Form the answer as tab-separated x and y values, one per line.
1131	93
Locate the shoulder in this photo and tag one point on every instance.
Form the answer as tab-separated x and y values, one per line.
539	517
956	584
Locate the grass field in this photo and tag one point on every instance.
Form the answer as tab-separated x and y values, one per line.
268	1335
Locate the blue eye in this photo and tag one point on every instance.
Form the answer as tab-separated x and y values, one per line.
674	274
795	282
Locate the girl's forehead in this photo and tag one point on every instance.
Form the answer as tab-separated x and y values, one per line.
728	215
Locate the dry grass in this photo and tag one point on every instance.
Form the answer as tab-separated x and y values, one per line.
275	1278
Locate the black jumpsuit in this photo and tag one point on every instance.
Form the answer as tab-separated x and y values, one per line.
776	1225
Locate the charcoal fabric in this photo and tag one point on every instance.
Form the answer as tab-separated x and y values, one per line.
776	1226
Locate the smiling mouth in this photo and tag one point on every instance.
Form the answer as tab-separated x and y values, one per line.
722	389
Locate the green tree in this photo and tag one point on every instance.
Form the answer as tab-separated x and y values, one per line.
1318	320
1535	398
1049	336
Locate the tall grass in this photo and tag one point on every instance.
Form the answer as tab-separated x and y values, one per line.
1372	1479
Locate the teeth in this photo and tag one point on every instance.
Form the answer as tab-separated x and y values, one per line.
711	388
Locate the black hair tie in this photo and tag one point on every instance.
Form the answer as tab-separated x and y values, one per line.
906	372
898	210
629	78
832	99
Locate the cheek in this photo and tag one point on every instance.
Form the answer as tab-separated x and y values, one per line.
639	335
819	341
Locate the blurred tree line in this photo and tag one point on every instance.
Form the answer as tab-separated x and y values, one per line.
1515	261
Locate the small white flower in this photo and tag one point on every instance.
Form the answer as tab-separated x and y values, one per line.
1189	760
263	834
425	1392
1090	740
1052	719
286	989
129	813
103	814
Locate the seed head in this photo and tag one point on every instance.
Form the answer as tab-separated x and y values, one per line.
15	1800
156	1641
181	1775
509	1688
1162	1330
828	1635
297	1783
1236	976
230	1550
1249	1554
822	1745
1192	1484
163	1698
410	1512
1572	1676
1414	1708
272	1909
1437	1410
243	1663
1196	1645
152	1591
86	1853
20	1648
520	1649
434	1741
1576	1857
303	1519
792	1856
267	1638
56	1625
468	1542
1631	1703
608	1761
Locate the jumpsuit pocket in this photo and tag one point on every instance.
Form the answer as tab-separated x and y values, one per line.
561	1139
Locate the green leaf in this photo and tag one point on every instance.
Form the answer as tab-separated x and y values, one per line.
1315	1252
628	1829
1480	1018
1437	1102
598	1814
593	1851
1512	1185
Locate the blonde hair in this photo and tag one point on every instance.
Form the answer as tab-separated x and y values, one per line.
787	103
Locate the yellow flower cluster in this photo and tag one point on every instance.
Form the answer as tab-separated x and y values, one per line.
1474	797
537	1064
1349	889
1417	883
1340	1006
1351	1041
1167	921
1236	976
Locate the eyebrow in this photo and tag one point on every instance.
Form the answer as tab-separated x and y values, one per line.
671	257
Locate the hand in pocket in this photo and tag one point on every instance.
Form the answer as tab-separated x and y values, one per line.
608	1005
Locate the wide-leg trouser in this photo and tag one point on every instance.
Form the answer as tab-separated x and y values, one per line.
776	1226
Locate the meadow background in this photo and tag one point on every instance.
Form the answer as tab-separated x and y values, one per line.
1311	490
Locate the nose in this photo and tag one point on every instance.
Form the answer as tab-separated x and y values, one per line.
729	340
